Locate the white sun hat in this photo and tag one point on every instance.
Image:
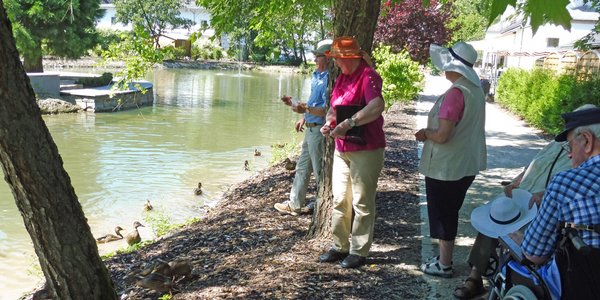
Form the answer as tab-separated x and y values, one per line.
459	58
504	215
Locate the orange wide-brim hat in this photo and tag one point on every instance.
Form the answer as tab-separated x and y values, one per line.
344	47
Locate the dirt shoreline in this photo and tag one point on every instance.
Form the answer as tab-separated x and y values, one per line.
244	249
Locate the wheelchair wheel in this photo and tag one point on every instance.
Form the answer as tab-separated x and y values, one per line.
519	292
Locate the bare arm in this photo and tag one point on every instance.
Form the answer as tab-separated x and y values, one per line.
441	135
364	116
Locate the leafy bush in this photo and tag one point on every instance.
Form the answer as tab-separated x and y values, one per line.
206	51
172	52
411	26
104	39
402	77
539	96
103	80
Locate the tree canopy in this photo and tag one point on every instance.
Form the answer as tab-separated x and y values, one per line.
55	27
154	16
286	24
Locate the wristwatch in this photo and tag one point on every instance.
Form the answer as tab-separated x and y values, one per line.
351	122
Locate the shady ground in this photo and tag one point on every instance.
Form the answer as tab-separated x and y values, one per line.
244	249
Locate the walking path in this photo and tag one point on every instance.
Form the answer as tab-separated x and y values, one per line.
511	144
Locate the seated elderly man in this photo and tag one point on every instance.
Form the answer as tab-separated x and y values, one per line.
534	179
573	196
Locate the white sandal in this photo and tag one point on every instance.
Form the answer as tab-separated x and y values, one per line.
436	269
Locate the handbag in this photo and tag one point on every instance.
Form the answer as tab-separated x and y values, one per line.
355	134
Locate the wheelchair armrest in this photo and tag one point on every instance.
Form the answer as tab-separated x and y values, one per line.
514	250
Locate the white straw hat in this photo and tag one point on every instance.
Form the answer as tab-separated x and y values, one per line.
460	58
504	215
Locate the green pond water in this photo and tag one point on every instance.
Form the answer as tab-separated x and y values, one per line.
202	127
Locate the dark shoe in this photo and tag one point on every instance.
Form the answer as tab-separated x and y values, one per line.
332	256
353	261
471	288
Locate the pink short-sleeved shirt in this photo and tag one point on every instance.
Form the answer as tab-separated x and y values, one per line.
453	106
359	88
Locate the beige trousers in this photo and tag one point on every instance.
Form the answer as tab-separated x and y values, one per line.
354	184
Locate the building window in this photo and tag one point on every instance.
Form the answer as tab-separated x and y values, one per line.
552	42
204	24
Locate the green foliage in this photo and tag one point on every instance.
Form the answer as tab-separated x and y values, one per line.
281	151
137	52
160	222
172	52
104	39
539	12
165	297
103	80
469	23
207	51
540	96
402	77
61	28
154	16
251	25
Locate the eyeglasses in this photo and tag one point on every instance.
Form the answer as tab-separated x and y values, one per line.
567	145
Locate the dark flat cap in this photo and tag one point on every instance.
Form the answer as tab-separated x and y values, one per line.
577	119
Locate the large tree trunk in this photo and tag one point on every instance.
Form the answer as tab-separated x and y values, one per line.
359	19
42	189
32	62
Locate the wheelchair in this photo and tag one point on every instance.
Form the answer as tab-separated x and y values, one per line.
578	269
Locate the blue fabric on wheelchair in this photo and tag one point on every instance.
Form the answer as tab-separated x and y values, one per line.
548	272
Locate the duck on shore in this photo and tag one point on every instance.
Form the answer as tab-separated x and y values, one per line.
289	164
155	281
133	237
111	237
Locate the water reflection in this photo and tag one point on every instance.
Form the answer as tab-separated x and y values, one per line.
203	126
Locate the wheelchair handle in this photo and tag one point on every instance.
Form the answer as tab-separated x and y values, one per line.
576	240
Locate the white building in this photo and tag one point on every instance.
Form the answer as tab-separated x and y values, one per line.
511	42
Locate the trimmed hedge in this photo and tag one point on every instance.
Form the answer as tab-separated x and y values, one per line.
540	96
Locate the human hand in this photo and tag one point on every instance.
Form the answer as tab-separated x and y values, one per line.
509	188
340	130
300	125
300	108
326	129
420	135
287	100
536	199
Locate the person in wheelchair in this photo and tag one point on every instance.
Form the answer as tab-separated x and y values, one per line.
530	185
571	200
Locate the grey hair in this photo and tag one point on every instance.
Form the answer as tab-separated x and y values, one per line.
593	128
585	106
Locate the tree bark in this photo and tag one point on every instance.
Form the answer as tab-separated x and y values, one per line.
351	18
42	189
